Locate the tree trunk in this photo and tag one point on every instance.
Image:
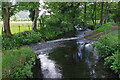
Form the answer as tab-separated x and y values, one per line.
6	20
95	12
85	12
106	13
101	20
34	24
93	15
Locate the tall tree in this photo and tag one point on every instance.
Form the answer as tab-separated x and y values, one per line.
33	8
85	11
6	18
101	19
106	13
34	24
95	12
64	12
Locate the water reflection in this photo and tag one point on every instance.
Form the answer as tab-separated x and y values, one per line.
49	68
76	59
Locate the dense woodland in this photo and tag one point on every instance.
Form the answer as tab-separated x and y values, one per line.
63	17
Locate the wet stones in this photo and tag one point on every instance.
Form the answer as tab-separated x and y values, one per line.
89	47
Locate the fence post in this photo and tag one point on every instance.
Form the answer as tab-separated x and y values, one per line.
19	28
29	27
2	30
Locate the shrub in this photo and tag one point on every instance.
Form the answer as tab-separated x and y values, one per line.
20	39
107	44
108	48
13	60
28	37
113	62
116	64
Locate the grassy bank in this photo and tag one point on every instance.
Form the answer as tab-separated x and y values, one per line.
108	49
28	37
100	30
107	45
17	63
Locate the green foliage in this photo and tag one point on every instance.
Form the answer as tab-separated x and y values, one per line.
17	62
64	14
24	71
108	48
104	27
116	64
116	15
107	44
113	62
83	25
28	37
20	39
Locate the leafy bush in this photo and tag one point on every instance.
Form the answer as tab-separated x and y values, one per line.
20	39
116	64
108	48
24	71
29	37
107	44
13	60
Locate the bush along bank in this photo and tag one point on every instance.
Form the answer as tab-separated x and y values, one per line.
108	49
17	62
28	37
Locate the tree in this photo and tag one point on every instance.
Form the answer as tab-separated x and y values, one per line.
101	19
34	24
85	11
116	13
6	18
64	13
95	11
106	13
8	10
93	14
33	8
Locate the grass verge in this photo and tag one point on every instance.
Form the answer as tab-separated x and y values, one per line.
17	63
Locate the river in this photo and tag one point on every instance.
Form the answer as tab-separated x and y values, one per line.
70	56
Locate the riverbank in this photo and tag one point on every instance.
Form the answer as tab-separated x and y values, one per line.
107	47
62	57
24	58
43	37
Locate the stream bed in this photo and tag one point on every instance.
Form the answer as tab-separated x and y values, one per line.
70	56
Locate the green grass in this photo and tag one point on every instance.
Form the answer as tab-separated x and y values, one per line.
104	27
99	28
15	61
14	26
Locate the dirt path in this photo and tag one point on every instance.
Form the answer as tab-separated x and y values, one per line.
94	36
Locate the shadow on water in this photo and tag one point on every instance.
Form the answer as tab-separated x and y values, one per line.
76	59
79	61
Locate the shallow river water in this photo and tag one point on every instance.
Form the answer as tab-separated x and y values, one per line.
70	56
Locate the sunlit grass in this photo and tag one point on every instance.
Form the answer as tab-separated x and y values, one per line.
14	26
